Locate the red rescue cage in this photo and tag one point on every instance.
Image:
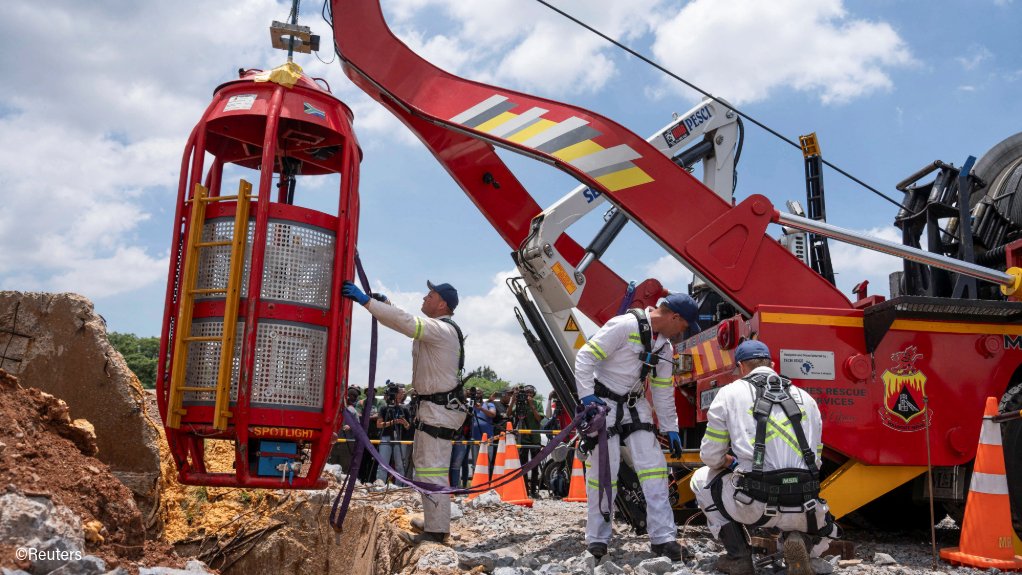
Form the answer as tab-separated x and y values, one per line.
254	347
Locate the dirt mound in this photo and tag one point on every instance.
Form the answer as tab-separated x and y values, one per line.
56	342
47	454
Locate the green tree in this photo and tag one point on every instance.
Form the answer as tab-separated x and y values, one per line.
485	379
140	353
483	372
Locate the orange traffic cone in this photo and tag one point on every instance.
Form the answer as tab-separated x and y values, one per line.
514	491
577	489
498	462
986	540
481	474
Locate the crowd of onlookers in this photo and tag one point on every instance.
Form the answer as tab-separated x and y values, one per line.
392	418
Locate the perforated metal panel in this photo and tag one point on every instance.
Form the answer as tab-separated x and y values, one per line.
290	365
297	267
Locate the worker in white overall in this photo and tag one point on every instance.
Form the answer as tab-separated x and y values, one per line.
762	450
437	359
613	368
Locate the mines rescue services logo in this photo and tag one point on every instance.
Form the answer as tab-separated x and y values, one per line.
904	391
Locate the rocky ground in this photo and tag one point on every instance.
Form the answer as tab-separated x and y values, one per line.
56	498
492	537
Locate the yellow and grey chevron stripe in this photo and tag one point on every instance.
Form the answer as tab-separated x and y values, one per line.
570	140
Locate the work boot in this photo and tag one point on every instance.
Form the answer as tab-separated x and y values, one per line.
738	560
430	537
796	556
597	550
669	549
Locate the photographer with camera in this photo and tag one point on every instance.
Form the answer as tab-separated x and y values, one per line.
524	415
483	413
393	421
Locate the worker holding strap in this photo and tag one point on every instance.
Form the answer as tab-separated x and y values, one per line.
438	356
613	369
770	478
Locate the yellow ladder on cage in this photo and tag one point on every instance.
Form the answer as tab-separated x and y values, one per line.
232	292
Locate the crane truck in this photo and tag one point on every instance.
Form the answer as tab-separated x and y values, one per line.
901	382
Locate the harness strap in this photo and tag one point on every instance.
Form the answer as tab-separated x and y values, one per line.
435	431
444	398
646	337
620	401
716	488
461	344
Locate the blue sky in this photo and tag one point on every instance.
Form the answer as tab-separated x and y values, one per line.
101	96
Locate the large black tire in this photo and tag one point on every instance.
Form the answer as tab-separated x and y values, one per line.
1011	439
1001	168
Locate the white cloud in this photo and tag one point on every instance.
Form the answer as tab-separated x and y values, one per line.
751	49
523	46
671	273
976	56
94	129
853	264
492	337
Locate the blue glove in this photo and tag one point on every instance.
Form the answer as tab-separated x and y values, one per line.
591	400
351	291
674	443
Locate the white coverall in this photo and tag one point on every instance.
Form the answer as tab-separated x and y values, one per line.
730	424
435	352
612	356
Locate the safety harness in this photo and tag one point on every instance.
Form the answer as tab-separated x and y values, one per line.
648	361
453	399
781	489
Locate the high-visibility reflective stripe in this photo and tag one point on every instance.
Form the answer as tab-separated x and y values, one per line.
717	434
778	431
635	337
596	483
657	473
431	471
990	433
418	329
596	350
662	381
989	483
648	477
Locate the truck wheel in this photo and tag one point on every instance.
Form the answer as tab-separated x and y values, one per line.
1011	440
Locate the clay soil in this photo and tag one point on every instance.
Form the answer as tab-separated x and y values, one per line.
45	455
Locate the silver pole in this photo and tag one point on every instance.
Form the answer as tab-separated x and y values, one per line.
899	250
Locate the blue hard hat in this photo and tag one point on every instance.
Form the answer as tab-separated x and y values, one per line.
752	349
683	305
446	292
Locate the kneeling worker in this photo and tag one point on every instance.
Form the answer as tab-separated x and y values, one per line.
774	431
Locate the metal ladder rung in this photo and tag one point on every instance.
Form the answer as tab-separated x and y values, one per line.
219	198
199	389
216	338
213	244
206	291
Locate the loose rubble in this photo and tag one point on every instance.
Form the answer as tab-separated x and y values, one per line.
501	539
